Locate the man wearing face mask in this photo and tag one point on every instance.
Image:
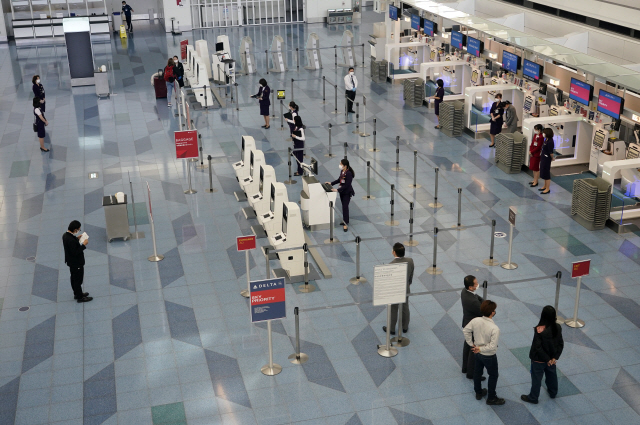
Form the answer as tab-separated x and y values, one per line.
178	71
127	14
470	310
74	258
350	85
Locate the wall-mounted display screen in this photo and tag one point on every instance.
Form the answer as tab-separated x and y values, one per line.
415	22
510	62
393	13
532	71
430	27
610	104
581	92
457	39
475	46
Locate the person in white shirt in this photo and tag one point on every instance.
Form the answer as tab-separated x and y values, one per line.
350	85
298	142
482	335
293	112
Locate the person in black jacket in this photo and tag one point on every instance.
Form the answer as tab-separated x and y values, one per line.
470	310
178	71
345	190
546	349
74	258
263	96
298	137
38	91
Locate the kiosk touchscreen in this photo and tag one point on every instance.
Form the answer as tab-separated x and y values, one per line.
248	145
290	235
271	220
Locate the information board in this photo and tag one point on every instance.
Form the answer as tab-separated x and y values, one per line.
457	39
581	92
610	104
267	300
429	27
245	243
393	13
510	62
186	144
532	71
512	216
183	49
415	22
474	46
390	284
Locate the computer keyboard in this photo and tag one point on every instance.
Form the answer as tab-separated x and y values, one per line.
256	196
327	187
278	237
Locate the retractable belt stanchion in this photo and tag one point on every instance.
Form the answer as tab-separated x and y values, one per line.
374	148
415	184
281	117
411	241
267	265
291	180
435	203
510	265
346	146
155	257
434	269
357	130
191	190
459	226
368	196
388	350
485	288
397	167
298	357
335	55
297	62
247	292
559	319
357	279
335	88
490	261
205	98
211	188
202	165
305	288
324	82
391	221
400	341
329	155
136	234
292	98
331	239
574	322
237	99
266	63
364	117
273	109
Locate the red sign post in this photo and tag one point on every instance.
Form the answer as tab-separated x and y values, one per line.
246	244
186	144
578	269
183	46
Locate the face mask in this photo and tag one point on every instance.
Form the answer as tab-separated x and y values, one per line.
497	100
340	166
38	81
350	72
78	232
175	60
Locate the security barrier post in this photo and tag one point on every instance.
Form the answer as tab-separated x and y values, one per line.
574	322
434	269
306	288
358	279
397	167
415	184
211	189
298	357
392	222
490	261
435	203
368	196
329	155
364	117
267	265
281	117
374	148
357	130
266	56
411	241
559	319
331	239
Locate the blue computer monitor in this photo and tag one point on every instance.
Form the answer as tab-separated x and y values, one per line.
457	39
393	13
510	62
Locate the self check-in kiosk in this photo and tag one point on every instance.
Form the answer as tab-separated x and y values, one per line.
188	68
271	220
259	201
314	201
291	235
242	167
250	183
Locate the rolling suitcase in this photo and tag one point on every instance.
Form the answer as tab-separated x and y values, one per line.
160	86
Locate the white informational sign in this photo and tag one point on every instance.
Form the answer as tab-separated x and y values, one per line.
390	284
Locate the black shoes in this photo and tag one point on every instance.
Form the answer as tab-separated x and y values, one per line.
526	398
384	328
84	294
484	378
84	299
482	394
495	402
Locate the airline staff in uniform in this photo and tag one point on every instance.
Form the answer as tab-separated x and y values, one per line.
298	142
534	153
345	190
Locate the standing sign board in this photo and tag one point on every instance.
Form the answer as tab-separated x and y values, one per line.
580	268
512	216
390	284
267	300
244	243
186	144
183	49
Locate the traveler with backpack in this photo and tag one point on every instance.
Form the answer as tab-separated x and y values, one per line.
170	79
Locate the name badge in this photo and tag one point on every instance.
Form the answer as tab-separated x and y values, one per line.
535	143
342	181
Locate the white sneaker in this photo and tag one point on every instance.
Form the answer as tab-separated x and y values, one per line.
169	104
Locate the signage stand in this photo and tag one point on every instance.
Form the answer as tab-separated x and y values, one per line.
579	269
191	190
247	292
388	350
512	224
272	368
400	341
246	243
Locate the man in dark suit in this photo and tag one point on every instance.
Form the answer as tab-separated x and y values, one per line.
74	258
398	254
470	310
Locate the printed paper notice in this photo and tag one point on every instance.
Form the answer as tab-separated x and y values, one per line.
390	284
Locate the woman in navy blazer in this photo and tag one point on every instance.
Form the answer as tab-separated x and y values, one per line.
345	190
38	91
263	97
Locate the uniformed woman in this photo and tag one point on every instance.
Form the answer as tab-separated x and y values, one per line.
293	111
345	190
38	91
497	120
546	156
298	142
534	153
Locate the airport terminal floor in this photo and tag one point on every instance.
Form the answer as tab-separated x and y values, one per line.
171	342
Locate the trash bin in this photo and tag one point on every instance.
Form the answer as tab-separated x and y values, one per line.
116	217
101	80
116	21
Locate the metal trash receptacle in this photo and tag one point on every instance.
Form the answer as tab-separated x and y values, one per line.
101	80
116	217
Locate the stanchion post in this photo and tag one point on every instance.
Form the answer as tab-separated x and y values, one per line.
305	288
459	226
155	257
298	357
335	55
135	234
490	261
324	83
202	165
357	130
364	117
397	167
434	268
510	265
400	341
331	239
329	155
266	57
290	181
211	188
247	292
363	57
237	104
273	109
391	221
281	116
270	369
411	241
374	148
335	89
191	190
435	203
345	150
415	184
292	89
485	288
266	260
574	322
559	319
387	350
205	97
358	279
368	196
297	64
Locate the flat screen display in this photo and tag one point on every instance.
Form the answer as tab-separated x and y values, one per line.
415	22
532	71
393	13
219	47
272	199
510	62
261	183
251	164
457	39
242	154
474	46
610	104
581	92
285	216
430	27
